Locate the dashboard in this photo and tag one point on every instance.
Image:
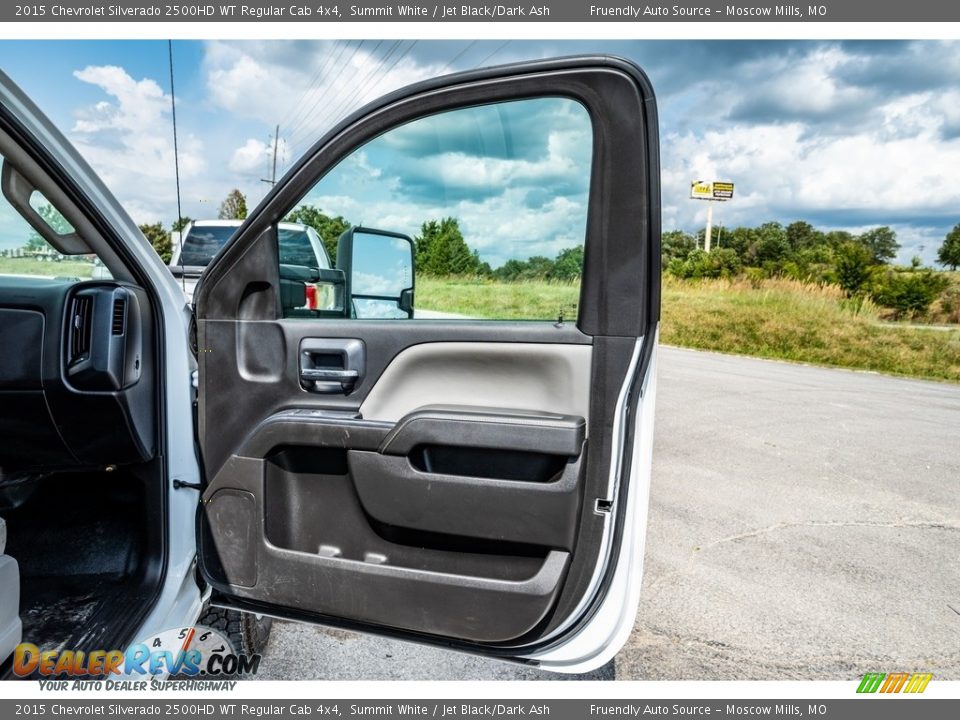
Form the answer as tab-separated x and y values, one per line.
77	376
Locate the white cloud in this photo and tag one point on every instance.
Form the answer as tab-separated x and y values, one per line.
129	142
306	87
783	168
253	158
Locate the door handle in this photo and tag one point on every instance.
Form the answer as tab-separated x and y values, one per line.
331	365
318	374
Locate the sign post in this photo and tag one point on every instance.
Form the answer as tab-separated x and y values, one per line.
714	192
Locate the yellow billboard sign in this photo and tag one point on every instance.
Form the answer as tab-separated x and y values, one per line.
703	190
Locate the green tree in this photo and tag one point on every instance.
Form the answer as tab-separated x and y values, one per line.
441	249
181	224
675	244
160	239
949	253
802	236
852	267
738	239
568	264
836	238
907	292
719	263
234	206
771	245
882	243
328	228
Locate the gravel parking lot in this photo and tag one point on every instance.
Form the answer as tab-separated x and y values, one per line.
804	525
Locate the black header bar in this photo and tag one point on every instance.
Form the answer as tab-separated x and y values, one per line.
313	11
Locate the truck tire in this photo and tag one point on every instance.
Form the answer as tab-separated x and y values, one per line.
247	633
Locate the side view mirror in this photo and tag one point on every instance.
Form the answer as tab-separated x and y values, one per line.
378	269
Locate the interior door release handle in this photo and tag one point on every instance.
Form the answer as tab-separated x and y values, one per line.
328	375
331	365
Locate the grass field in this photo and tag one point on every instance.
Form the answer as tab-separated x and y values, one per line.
31	266
782	319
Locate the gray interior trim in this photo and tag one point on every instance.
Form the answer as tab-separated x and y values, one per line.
523	376
86	232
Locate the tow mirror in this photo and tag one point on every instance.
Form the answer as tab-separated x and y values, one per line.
379	272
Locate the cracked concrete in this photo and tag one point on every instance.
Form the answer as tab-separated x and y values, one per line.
803	525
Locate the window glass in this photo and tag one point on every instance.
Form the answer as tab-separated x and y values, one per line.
24	252
202	242
494	198
301	246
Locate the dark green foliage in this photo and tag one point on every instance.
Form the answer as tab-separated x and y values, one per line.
720	263
907	292
949	253
675	244
568	264
441	250
328	228
852	264
803	236
769	246
160	239
881	242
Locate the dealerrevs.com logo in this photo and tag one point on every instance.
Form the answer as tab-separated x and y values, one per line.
894	682
190	652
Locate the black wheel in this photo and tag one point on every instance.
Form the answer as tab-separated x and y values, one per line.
247	633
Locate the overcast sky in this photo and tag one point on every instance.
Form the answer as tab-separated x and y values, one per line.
842	134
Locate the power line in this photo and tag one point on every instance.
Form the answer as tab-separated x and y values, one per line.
305	116
340	80
488	57
176	153
362	83
314	86
458	56
372	80
342	110
297	104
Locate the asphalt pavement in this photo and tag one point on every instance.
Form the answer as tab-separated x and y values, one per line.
804	524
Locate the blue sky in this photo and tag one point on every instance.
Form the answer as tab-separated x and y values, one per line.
842	134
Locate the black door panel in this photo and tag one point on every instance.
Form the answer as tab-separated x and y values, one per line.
316	550
394	492
462	485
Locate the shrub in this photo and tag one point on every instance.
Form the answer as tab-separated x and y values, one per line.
852	267
755	276
907	293
721	263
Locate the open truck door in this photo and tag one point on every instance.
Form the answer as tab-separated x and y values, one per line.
475	483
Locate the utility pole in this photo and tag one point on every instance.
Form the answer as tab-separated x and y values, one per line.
709	232
273	175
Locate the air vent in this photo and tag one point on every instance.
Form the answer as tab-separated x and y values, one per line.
80	313
119	315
